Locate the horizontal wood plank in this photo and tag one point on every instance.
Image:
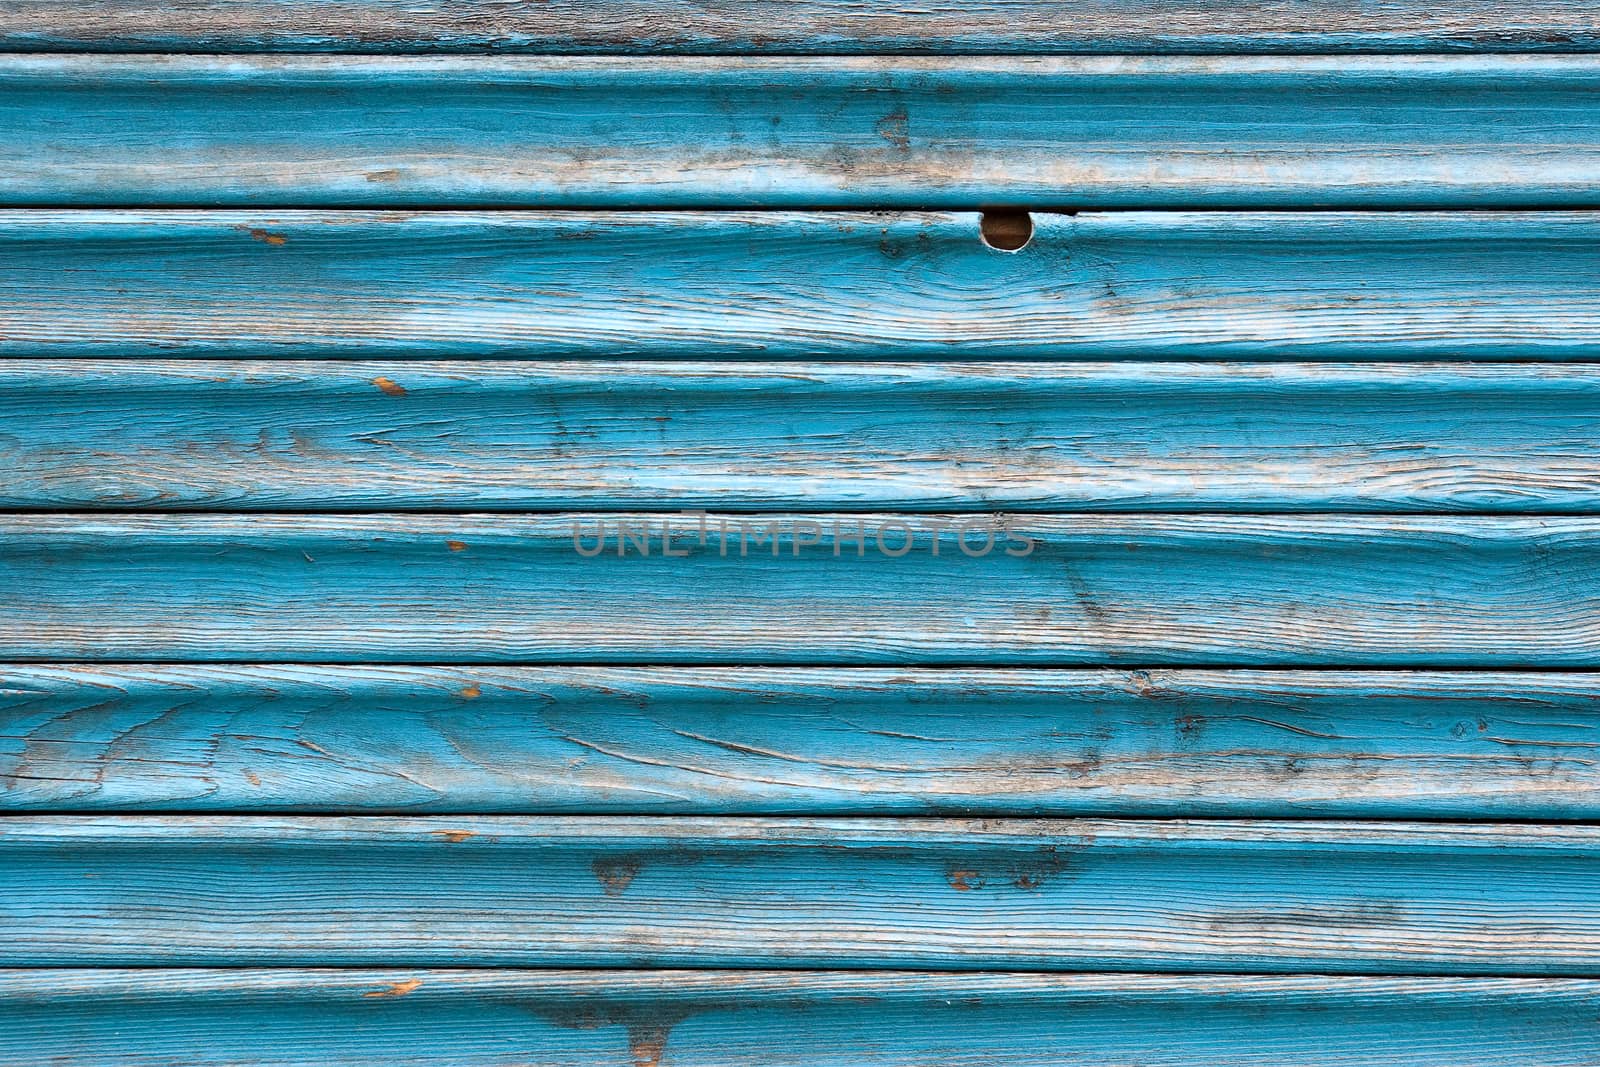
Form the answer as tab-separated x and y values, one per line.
895	589
790	26
829	436
1234	896
780	741
465	1018
1272	286
801	132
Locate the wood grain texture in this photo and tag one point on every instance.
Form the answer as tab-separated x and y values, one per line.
944	436
790	26
1229	896
383	1018
807	286
893	589
801	132
794	741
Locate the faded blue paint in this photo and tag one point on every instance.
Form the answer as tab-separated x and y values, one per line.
1235	896
801	132
1046	590
347	436
582	812
502	1018
800	286
743	741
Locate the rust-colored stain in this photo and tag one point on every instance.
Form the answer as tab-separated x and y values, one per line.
398	989
964	881
1028	876
895	127
471	692
455	837
615	875
646	1043
456	546
264	236
253	778
383	175
389	386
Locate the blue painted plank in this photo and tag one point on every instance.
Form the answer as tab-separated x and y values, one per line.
338	436
896	589
384	1018
1294	286
1229	896
752	741
801	132
658	27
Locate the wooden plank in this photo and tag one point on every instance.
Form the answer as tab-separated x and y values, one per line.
801	132
795	26
255	1018
1038	589
1296	286
907	436
630	891
794	740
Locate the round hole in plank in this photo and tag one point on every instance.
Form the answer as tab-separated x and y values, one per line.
1006	231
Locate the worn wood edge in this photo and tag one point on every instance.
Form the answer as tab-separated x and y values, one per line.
76	1017
815	26
865	589
802	286
672	69
750	741
343	435
1183	896
697	838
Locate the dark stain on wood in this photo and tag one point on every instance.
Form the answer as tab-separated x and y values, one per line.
616	874
649	1024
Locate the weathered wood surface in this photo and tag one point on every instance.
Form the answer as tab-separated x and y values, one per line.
631	891
865	588
1307	286
802	132
794	741
294	1018
796	26
943	436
